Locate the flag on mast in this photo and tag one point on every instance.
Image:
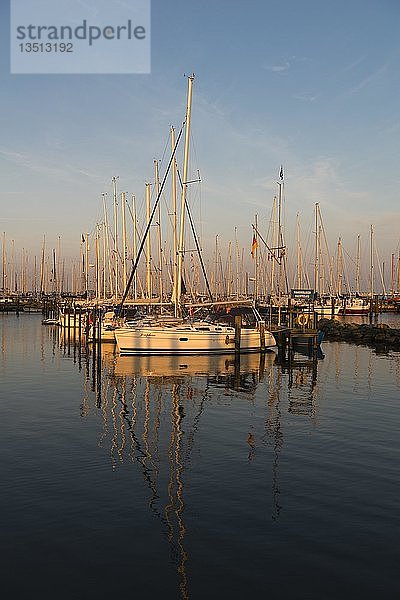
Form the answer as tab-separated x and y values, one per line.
281	173
254	246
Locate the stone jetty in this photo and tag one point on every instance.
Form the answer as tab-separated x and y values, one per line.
379	336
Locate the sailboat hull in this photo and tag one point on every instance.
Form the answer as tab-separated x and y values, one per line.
188	340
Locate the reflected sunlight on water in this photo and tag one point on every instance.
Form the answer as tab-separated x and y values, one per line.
196	477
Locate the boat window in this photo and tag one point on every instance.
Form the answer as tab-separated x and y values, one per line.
183	339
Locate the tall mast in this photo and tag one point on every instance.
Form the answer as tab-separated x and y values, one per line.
299	265
160	266
114	182
358	265
281	249
256	265
339	267
42	286
34	283
134	244
124	249
106	251
175	228
229	286
148	251
87	266
392	273
237	264
316	265
216	280
104	278
371	258
59	288
4	264
13	270
98	281
275	244
398	274
55	274
184	186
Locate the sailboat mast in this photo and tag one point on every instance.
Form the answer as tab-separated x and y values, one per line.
339	267
42	285
358	265
97	263
255	298
159	239
316	265
148	250
175	227
4	264
124	249
104	279
134	243
87	266
275	245
114	182
371	259
184	186
237	264
299	265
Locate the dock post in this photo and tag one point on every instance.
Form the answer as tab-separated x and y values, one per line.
94	330
74	334
80	325
262	336
238	331
69	329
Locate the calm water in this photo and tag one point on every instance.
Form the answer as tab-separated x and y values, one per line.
192	479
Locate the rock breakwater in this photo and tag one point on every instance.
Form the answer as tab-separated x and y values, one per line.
379	336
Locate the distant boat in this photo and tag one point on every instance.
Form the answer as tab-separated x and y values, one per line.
355	306
50	321
326	310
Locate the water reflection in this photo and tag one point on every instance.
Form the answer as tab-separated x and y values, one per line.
202	444
152	409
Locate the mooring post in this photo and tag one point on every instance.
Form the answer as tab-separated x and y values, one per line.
238	331
74	335
262	336
80	325
99	325
94	325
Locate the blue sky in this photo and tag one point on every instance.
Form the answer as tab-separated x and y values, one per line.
312	85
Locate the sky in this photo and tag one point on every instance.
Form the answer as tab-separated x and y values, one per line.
311	85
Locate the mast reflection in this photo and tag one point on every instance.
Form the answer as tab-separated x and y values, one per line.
151	412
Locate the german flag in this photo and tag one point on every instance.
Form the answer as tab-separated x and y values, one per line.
254	245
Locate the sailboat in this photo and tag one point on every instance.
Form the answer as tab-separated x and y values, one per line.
192	337
179	335
325	304
356	304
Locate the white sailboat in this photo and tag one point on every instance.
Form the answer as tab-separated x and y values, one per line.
213	335
189	338
180	336
325	304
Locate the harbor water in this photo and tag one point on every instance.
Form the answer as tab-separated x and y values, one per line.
196	477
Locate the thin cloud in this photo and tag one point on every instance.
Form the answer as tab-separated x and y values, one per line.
304	97
369	79
278	68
